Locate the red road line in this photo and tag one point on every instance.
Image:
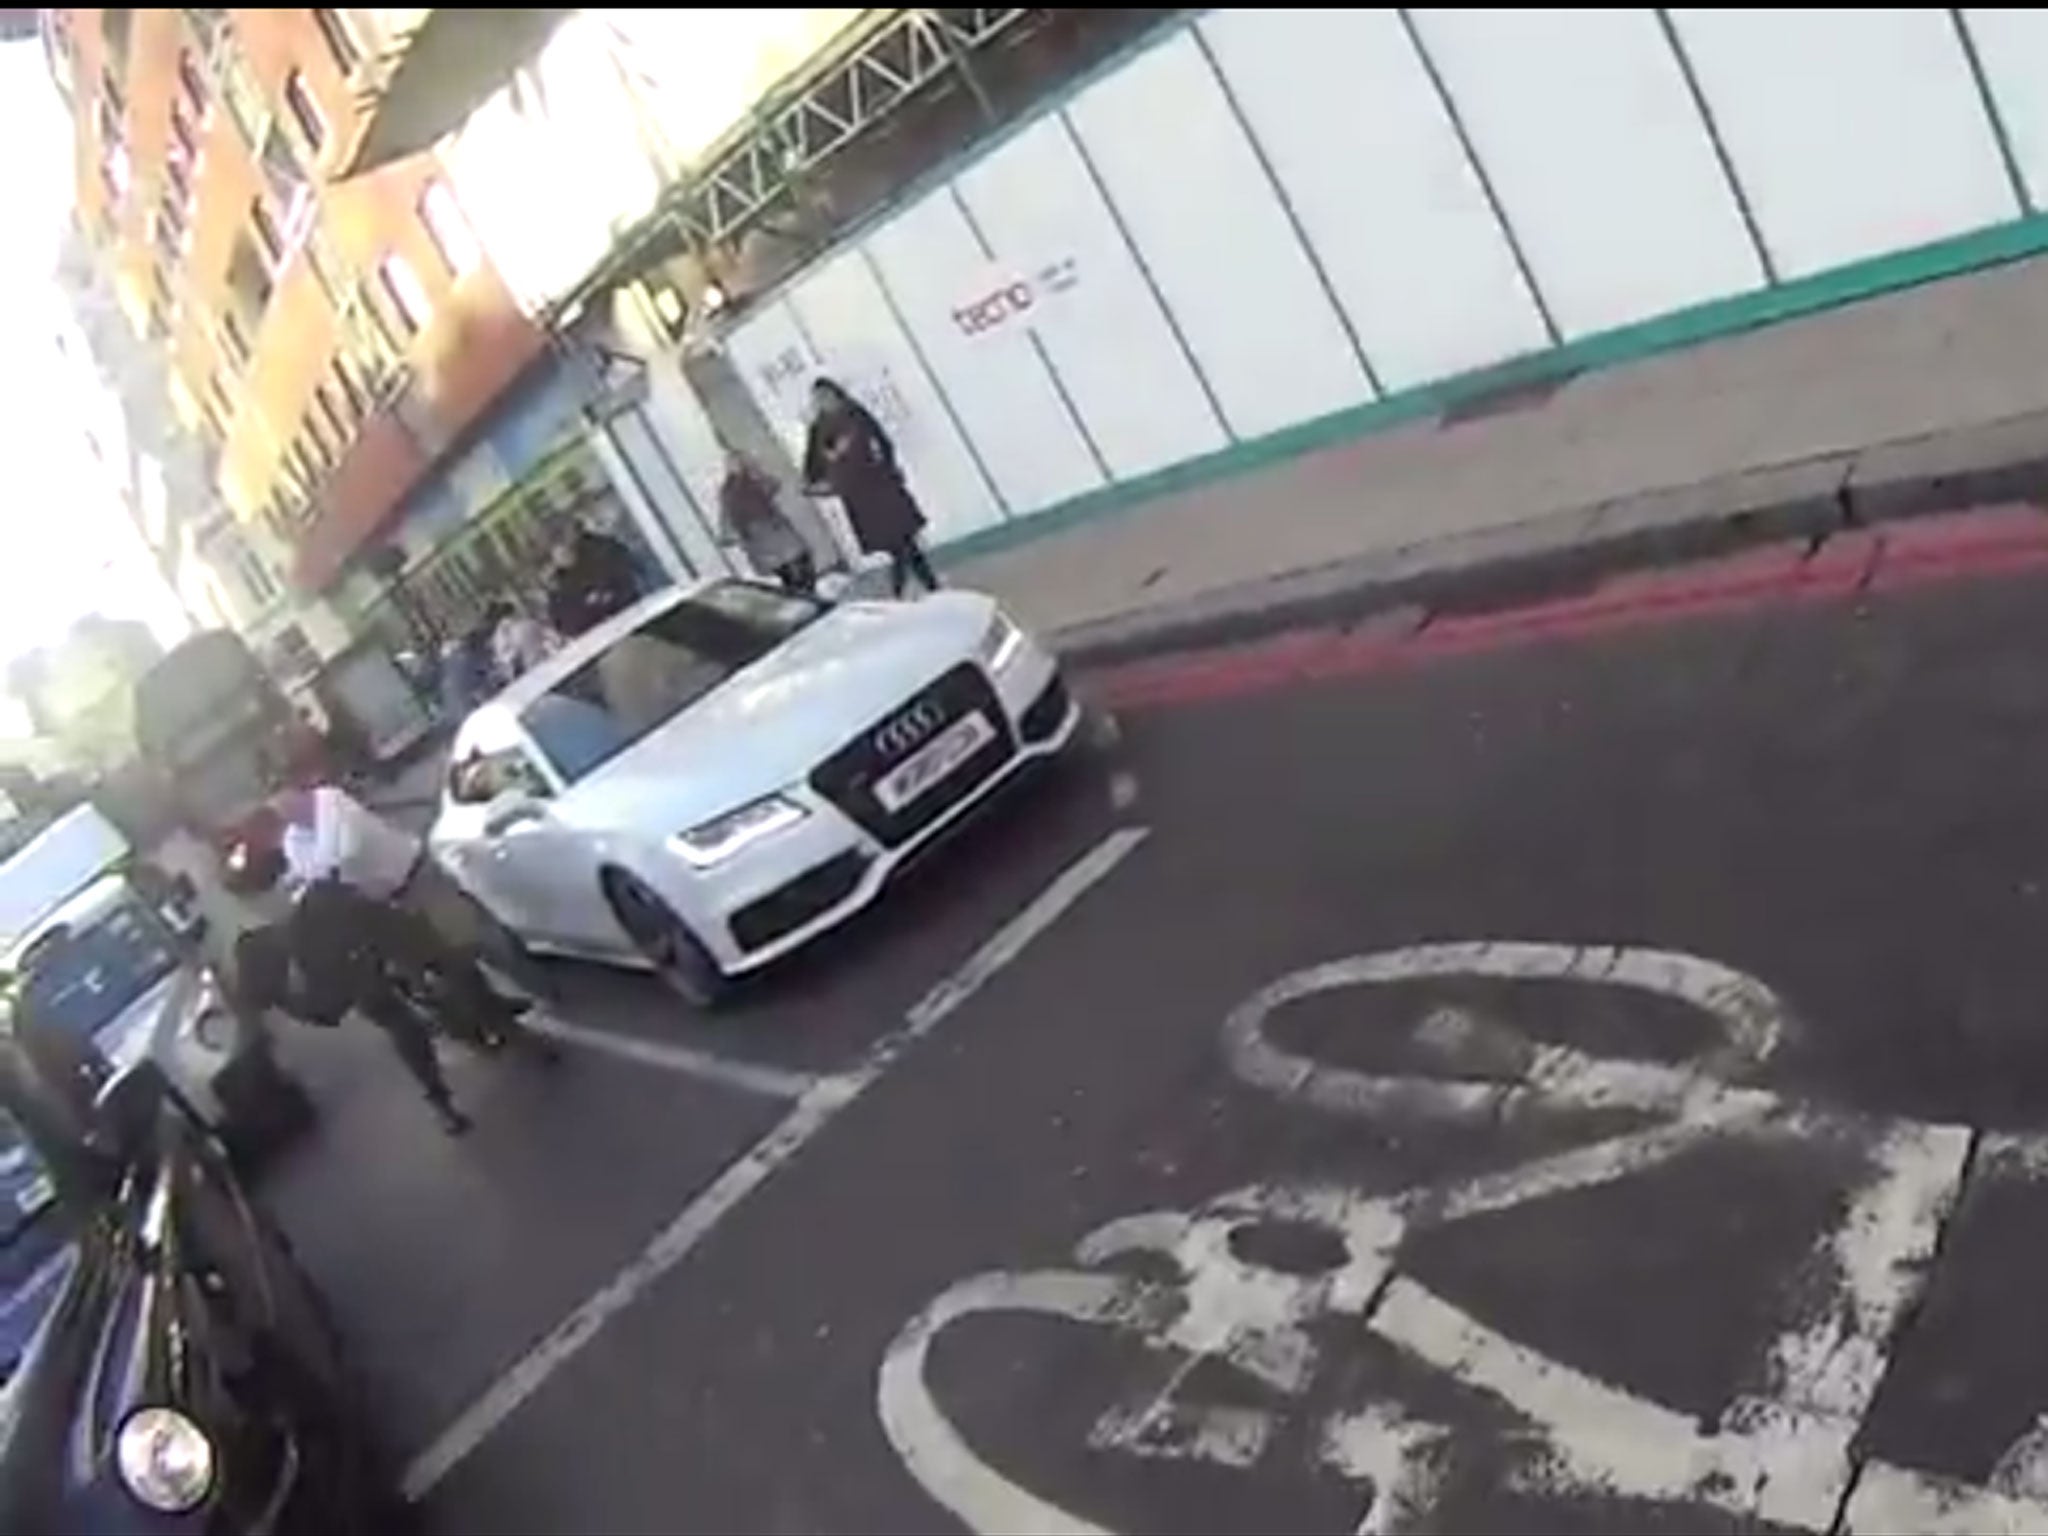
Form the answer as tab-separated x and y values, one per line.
1985	542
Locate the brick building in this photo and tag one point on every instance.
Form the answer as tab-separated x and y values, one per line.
330	342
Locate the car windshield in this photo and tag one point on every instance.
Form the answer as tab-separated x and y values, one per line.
82	978
647	677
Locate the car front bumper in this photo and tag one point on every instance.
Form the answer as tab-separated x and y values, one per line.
784	892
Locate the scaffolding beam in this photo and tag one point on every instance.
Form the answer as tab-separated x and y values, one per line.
881	65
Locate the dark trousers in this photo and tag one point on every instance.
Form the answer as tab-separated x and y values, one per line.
908	559
412	1042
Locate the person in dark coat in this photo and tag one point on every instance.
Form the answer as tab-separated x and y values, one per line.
596	579
848	455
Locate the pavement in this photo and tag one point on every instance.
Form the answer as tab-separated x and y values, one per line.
1573	1064
1921	400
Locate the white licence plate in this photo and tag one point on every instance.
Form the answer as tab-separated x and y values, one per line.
933	761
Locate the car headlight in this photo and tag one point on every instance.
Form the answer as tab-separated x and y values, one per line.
1000	642
165	1461
723	836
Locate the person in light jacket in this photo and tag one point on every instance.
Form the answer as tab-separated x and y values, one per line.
848	455
749	517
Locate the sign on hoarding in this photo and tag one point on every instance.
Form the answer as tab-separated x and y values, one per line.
1003	299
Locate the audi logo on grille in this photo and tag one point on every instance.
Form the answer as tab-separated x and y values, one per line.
909	730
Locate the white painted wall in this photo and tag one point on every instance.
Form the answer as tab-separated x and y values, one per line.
1272	215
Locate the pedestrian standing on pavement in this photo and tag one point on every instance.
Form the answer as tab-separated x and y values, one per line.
749	517
849	456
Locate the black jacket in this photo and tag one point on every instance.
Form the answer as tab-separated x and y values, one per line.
599	581
850	455
335	953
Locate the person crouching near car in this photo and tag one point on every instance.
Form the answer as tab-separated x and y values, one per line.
329	834
749	517
338	952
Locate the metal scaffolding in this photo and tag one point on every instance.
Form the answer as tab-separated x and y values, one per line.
882	63
818	115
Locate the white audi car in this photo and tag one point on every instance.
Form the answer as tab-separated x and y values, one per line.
721	773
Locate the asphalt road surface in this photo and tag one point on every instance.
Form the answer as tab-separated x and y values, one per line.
1579	1086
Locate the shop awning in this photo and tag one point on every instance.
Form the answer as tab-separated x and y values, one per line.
438	73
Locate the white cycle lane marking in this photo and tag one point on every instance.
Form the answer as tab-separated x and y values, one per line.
1785	1453
813	1111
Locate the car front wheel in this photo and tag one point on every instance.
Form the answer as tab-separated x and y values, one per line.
680	961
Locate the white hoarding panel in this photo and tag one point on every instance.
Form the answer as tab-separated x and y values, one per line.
2011	45
1854	131
1360	141
860	344
676	454
1602	163
691	445
1056	242
1007	401
1204	216
774	361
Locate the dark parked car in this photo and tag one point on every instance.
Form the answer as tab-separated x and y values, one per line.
167	1366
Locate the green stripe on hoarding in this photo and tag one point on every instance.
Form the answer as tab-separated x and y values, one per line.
1712	321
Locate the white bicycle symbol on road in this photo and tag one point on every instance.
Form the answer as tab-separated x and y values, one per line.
1784	1454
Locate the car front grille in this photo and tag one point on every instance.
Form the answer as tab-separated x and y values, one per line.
847	778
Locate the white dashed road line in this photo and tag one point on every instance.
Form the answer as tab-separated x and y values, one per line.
816	1108
747	1076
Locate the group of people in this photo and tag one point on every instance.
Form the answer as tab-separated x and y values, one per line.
594	577
847	455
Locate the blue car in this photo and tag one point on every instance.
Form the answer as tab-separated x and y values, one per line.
167	1366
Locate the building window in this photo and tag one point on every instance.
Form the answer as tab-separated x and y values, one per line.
370	334
330	412
234	341
326	267
244	99
257	583
288	182
306	113
206	26
193	82
351	390
407	295
341	38
323	448
170	234
249	286
218	397
267	232
449	230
